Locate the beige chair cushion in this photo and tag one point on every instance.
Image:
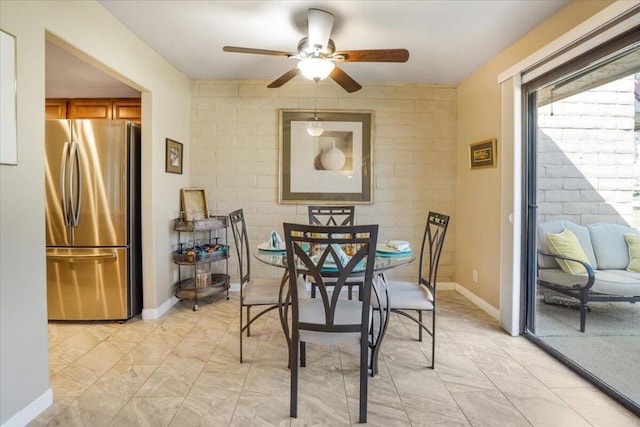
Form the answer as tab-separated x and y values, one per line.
263	291
347	312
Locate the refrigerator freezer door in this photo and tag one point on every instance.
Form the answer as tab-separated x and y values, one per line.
87	284
57	143
99	184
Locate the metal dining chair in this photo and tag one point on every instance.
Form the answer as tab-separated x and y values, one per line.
262	293
328	319
405	298
333	215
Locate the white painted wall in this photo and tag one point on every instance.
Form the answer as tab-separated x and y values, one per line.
235	156
88	27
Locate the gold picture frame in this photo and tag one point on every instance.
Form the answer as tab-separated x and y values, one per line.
174	156
333	166
483	154
193	204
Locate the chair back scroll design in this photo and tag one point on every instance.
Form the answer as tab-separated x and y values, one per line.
433	239
241	239
331	215
315	251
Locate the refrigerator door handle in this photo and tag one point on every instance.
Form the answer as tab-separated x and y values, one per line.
63	182
89	257
76	194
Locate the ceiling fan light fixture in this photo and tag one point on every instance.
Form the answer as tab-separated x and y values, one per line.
315	68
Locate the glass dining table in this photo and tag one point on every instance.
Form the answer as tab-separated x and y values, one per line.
386	259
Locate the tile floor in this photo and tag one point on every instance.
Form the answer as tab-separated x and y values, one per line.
183	370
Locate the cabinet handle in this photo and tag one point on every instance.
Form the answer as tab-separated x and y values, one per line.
89	257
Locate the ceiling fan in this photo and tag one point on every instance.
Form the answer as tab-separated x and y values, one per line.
317	54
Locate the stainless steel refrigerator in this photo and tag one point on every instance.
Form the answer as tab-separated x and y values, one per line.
93	219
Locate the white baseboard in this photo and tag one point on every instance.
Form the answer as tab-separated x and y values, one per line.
31	411
482	304
446	286
156	313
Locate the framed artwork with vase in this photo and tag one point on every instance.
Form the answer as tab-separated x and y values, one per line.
325	156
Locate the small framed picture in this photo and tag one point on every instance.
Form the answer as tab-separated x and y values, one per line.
174	157
482	154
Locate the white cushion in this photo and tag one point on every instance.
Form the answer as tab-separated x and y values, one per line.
609	245
617	282
265	291
347	312
261	292
407	296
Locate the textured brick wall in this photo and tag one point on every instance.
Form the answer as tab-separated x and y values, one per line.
234	156
585	156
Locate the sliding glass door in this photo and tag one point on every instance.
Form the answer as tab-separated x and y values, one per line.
583	198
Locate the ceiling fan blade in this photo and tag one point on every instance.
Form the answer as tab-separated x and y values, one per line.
236	49
284	78
320	25
373	55
344	80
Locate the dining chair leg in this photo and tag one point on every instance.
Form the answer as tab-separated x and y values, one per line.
303	354
364	356
248	318
420	326
241	311
293	356
433	337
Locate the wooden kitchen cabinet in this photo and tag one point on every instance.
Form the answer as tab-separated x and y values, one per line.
127	109
55	108
83	108
94	108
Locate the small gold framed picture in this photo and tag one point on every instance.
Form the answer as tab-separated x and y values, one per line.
483	154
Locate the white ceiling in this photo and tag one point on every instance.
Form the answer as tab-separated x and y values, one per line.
447	40
68	76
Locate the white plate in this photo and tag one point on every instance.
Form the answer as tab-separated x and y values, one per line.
381	247
266	246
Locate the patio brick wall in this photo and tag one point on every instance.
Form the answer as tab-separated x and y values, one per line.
235	155
586	156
